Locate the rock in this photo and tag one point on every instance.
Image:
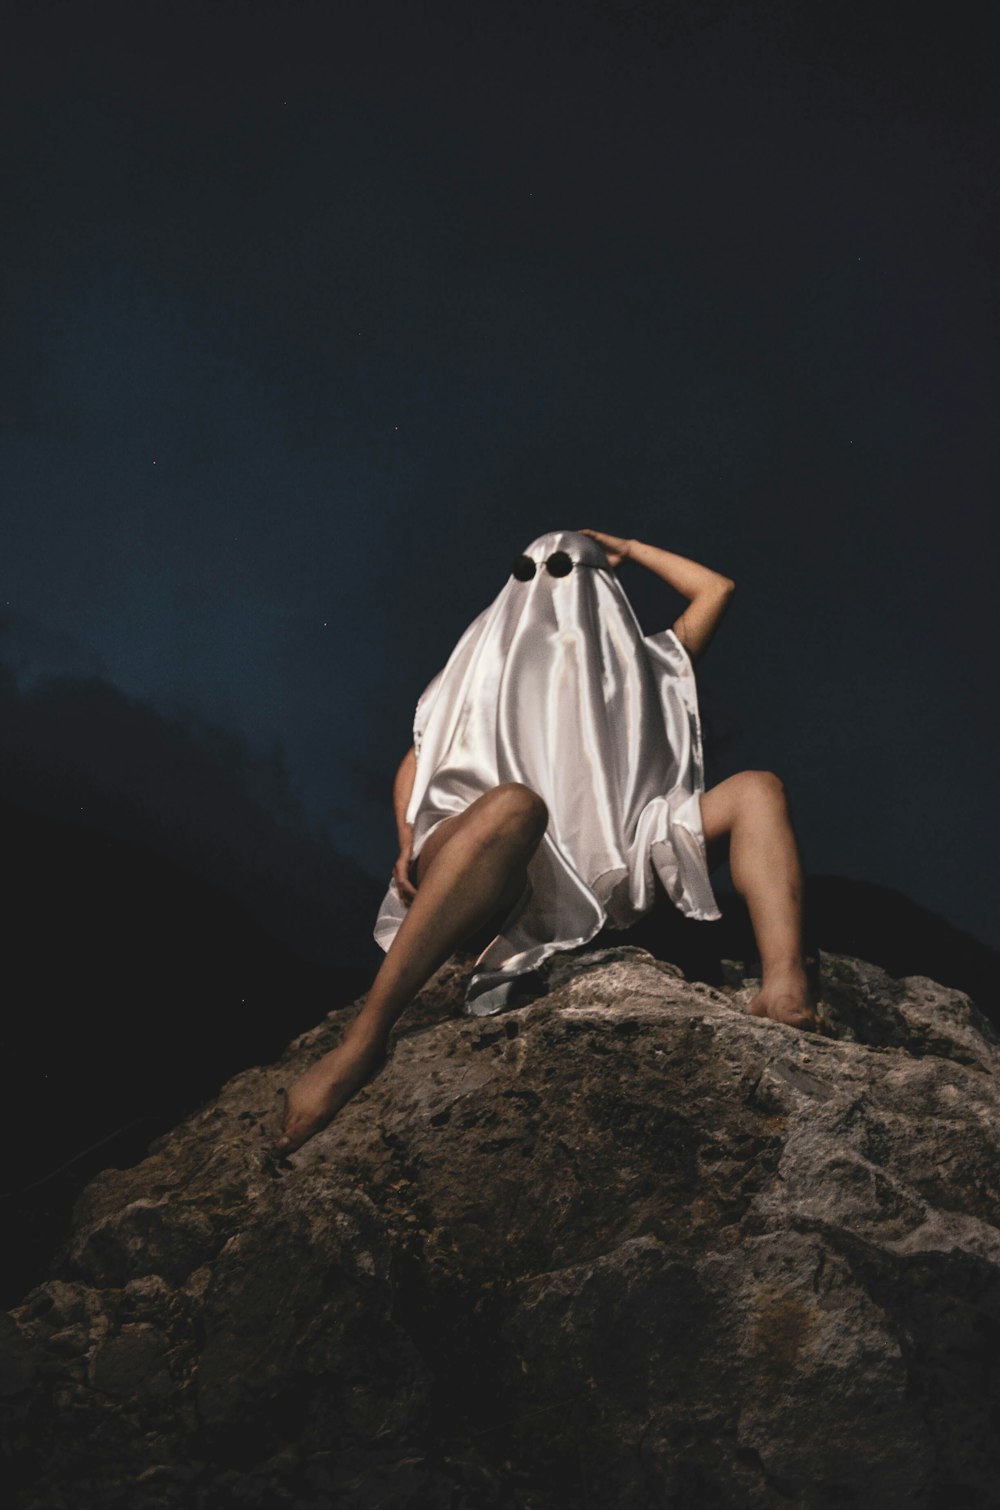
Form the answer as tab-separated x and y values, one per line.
625	1246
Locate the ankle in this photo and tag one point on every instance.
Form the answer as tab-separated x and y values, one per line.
365	1037
784	971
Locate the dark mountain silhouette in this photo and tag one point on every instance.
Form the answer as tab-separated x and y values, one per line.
78	749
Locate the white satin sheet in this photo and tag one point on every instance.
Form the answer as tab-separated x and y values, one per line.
554	685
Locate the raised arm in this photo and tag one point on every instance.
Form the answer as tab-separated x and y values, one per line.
709	591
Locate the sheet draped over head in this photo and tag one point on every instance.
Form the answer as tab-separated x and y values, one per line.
554	685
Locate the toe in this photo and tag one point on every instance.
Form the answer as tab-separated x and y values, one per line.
284	1144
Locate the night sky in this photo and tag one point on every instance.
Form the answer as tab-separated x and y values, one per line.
316	314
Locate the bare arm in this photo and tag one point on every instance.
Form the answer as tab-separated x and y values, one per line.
709	592
686	577
402	788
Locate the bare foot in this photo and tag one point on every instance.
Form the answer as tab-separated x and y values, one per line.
318	1094
787	998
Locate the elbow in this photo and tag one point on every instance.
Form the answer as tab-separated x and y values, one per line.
727	586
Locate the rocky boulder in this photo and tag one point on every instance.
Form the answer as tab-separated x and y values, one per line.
626	1246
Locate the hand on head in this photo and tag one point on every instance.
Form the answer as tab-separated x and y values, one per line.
616	548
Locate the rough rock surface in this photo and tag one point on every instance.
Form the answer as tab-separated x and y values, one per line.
626	1246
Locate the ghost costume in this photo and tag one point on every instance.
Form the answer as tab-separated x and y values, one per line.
554	685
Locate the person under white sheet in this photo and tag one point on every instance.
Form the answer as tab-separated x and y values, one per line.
554	686
556	772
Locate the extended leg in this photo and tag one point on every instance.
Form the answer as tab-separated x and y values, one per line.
471	867
748	813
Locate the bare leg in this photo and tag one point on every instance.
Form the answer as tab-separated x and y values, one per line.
748	813
471	868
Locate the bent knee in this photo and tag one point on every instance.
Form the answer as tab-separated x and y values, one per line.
514	800
763	784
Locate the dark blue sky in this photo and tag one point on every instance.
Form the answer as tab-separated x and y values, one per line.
317	314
